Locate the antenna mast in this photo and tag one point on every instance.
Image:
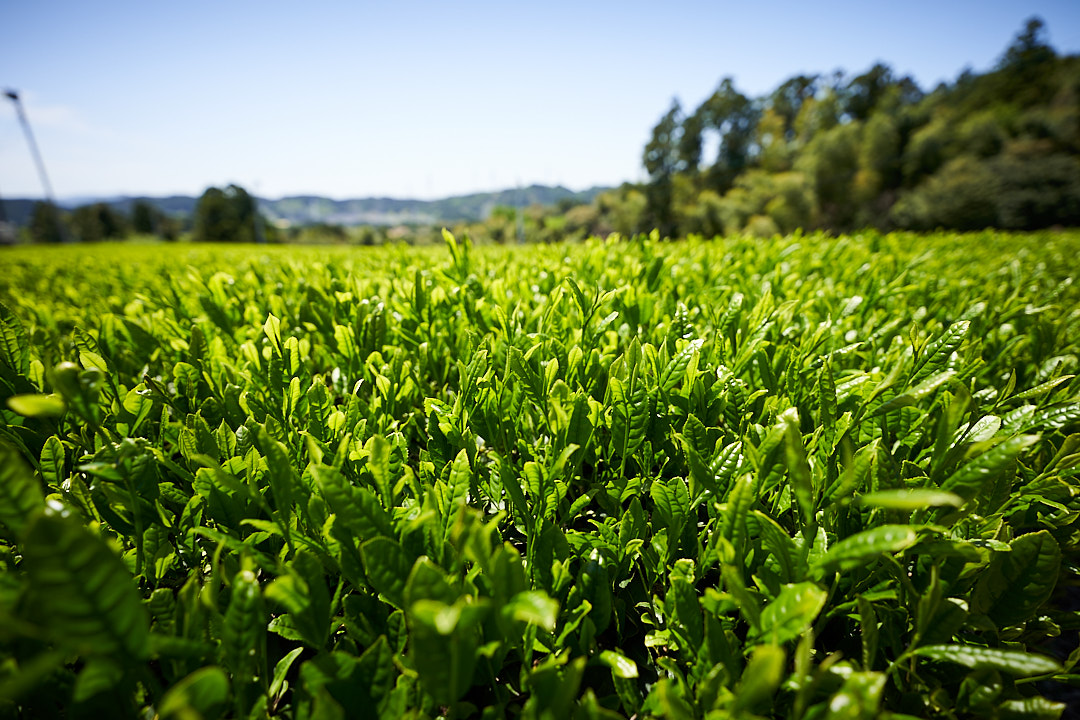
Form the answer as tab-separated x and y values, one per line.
14	97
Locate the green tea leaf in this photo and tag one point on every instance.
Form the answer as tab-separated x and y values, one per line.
37	405
427	581
53	457
272	330
379	463
1042	388
244	628
672	502
776	541
976	657
913	499
938	352
14	344
534	606
443	642
283	482
387	566
281	670
734	519
302	591
21	498
1031	708
682	599
970	479
621	666
460	477
675	369
760	679
202	694
1020	581
357	507
859	698
630	408
917	393
826	387
799	467
791	613
82	590
869	625
357	686
857	549
98	676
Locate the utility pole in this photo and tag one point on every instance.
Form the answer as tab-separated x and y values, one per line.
13	96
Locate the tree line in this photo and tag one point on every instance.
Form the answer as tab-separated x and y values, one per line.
837	152
99	221
999	149
227	214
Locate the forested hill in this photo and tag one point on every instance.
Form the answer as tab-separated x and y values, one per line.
311	209
839	152
389	211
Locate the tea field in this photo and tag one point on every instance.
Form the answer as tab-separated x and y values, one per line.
806	477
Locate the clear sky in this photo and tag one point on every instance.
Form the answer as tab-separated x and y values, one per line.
427	99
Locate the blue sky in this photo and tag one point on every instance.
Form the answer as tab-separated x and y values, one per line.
426	99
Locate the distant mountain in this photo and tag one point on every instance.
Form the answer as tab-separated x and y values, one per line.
17	210
311	209
305	210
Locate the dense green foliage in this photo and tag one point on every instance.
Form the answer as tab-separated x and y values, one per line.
1001	149
807	477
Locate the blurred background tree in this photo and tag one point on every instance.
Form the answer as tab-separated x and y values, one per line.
97	222
228	215
1000	149
45	223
